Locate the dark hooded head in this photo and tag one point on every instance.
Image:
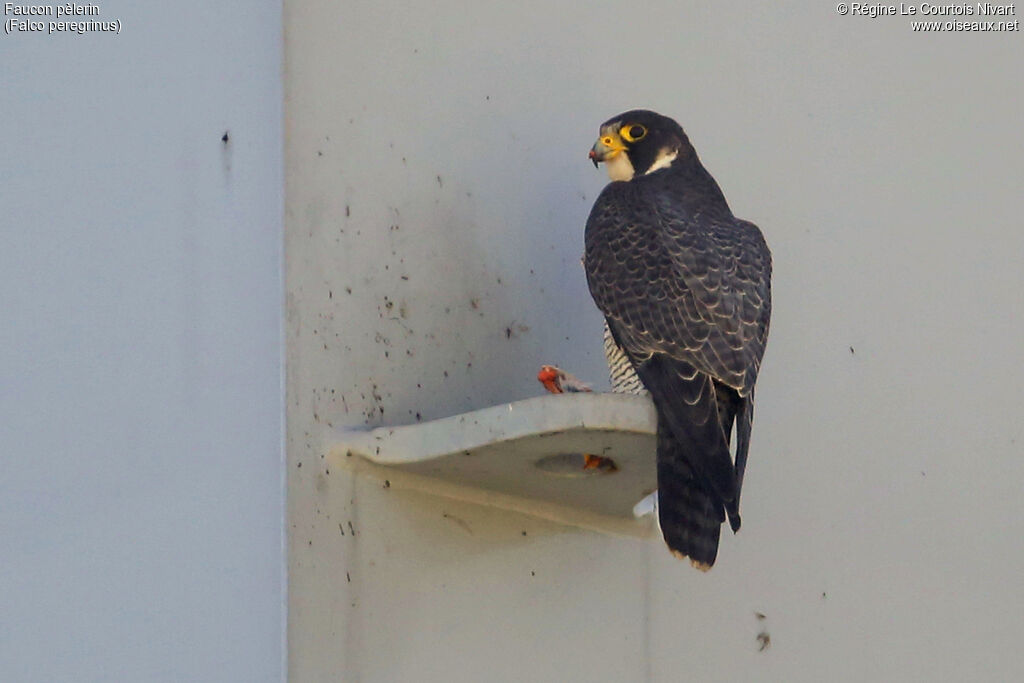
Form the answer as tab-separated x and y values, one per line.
639	142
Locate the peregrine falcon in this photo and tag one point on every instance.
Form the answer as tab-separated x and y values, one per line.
685	288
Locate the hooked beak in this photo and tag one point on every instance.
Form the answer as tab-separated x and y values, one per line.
607	147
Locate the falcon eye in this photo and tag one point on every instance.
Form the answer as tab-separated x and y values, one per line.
633	133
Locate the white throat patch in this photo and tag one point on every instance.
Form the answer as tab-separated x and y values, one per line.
665	158
620	167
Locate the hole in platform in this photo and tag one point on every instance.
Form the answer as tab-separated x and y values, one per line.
573	465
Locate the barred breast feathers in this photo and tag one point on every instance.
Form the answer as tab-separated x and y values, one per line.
623	377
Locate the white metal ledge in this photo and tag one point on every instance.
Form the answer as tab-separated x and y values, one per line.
524	456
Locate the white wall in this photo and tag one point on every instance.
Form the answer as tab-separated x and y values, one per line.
437	187
140	355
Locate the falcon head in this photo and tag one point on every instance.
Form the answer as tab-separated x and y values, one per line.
639	142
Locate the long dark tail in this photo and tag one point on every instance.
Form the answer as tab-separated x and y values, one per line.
696	478
690	516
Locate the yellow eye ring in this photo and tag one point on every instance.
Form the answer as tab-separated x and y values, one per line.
633	132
